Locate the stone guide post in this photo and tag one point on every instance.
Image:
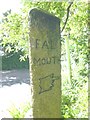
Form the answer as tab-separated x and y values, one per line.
45	68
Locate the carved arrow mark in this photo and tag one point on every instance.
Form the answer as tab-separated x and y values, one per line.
47	83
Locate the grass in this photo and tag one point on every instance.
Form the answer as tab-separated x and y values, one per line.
19	112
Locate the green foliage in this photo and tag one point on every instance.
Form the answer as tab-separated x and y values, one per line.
11	61
75	96
14	26
14	35
19	112
75	101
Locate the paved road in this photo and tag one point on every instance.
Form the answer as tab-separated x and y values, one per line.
13	77
14	89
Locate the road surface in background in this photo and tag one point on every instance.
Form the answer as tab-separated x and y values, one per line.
14	89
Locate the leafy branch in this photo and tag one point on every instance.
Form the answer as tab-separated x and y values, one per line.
68	11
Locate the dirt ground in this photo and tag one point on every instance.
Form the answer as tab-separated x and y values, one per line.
14	89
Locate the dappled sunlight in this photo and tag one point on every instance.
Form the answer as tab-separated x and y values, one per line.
14	76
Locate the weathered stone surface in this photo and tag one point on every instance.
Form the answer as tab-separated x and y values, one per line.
45	73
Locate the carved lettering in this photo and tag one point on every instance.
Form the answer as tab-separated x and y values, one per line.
54	58
49	61
52	45
36	61
44	61
43	45
36	43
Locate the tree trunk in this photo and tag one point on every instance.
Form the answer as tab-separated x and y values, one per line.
68	60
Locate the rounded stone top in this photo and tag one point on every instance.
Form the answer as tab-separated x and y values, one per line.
40	12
